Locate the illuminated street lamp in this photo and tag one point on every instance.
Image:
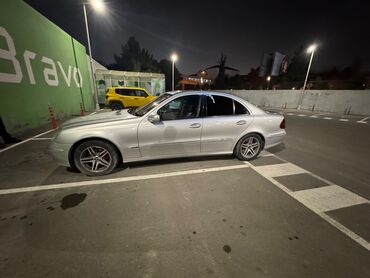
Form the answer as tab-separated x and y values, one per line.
268	82
98	6
311	49
174	58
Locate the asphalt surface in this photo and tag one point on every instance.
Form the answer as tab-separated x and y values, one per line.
281	215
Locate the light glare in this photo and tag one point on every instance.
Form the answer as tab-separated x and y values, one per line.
174	57
311	48
98	5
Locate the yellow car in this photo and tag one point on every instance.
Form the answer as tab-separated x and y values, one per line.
123	97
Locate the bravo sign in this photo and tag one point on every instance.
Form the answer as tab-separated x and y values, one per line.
70	74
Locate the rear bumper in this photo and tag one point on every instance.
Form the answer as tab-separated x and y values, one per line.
274	139
60	153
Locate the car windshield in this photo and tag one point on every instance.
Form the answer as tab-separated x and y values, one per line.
146	108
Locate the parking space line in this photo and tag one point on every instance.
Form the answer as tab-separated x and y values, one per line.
340	195
328	198
278	170
41	138
364	243
314	116
327	118
344	120
363	121
301	115
25	141
290	114
118	180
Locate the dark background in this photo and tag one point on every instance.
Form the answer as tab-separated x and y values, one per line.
200	30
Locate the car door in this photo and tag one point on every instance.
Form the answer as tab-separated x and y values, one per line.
225	121
176	133
140	97
126	96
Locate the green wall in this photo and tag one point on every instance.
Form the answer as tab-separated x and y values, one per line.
52	76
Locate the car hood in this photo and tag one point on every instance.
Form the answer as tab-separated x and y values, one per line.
97	118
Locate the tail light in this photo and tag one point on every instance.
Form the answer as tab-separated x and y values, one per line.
282	124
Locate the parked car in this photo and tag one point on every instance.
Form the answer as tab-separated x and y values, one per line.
176	124
123	97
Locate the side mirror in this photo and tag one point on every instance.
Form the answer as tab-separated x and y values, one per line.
154	118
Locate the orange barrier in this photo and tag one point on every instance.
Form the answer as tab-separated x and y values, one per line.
82	110
53	120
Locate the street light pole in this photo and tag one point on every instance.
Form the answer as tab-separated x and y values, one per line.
311	50
97	108
174	59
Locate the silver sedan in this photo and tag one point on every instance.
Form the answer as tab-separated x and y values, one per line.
176	124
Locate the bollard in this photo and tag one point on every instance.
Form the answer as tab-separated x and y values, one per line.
53	120
82	110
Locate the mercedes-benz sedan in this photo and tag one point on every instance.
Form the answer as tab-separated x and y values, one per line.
176	124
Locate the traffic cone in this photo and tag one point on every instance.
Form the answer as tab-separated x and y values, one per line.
53	120
82	110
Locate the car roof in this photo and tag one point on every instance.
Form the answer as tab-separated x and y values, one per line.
125	87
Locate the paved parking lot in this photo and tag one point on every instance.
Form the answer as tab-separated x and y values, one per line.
300	210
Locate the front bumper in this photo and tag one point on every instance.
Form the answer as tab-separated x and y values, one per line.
60	153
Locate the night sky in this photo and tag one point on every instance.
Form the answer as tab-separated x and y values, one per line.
200	30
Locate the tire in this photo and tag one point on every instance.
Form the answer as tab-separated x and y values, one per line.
116	105
95	158
248	147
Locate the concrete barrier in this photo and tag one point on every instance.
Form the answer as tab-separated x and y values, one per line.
355	102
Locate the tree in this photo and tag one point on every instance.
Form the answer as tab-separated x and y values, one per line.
134	58
298	66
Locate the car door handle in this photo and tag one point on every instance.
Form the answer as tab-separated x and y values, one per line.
196	125
242	122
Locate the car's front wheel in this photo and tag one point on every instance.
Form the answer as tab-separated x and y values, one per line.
116	105
248	147
96	158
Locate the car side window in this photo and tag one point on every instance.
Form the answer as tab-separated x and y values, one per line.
219	106
140	93
186	107
240	108
124	92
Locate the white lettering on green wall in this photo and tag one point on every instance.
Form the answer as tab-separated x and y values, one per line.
50	71
9	54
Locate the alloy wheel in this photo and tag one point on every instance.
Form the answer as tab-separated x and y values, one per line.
250	147
95	159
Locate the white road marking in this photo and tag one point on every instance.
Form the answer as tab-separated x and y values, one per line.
118	180
363	121
314	116
327	118
277	170
25	141
41	138
328	198
290	114
364	243
265	153
344	120
301	115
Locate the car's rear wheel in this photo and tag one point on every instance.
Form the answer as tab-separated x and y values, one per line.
116	105
248	147
96	158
